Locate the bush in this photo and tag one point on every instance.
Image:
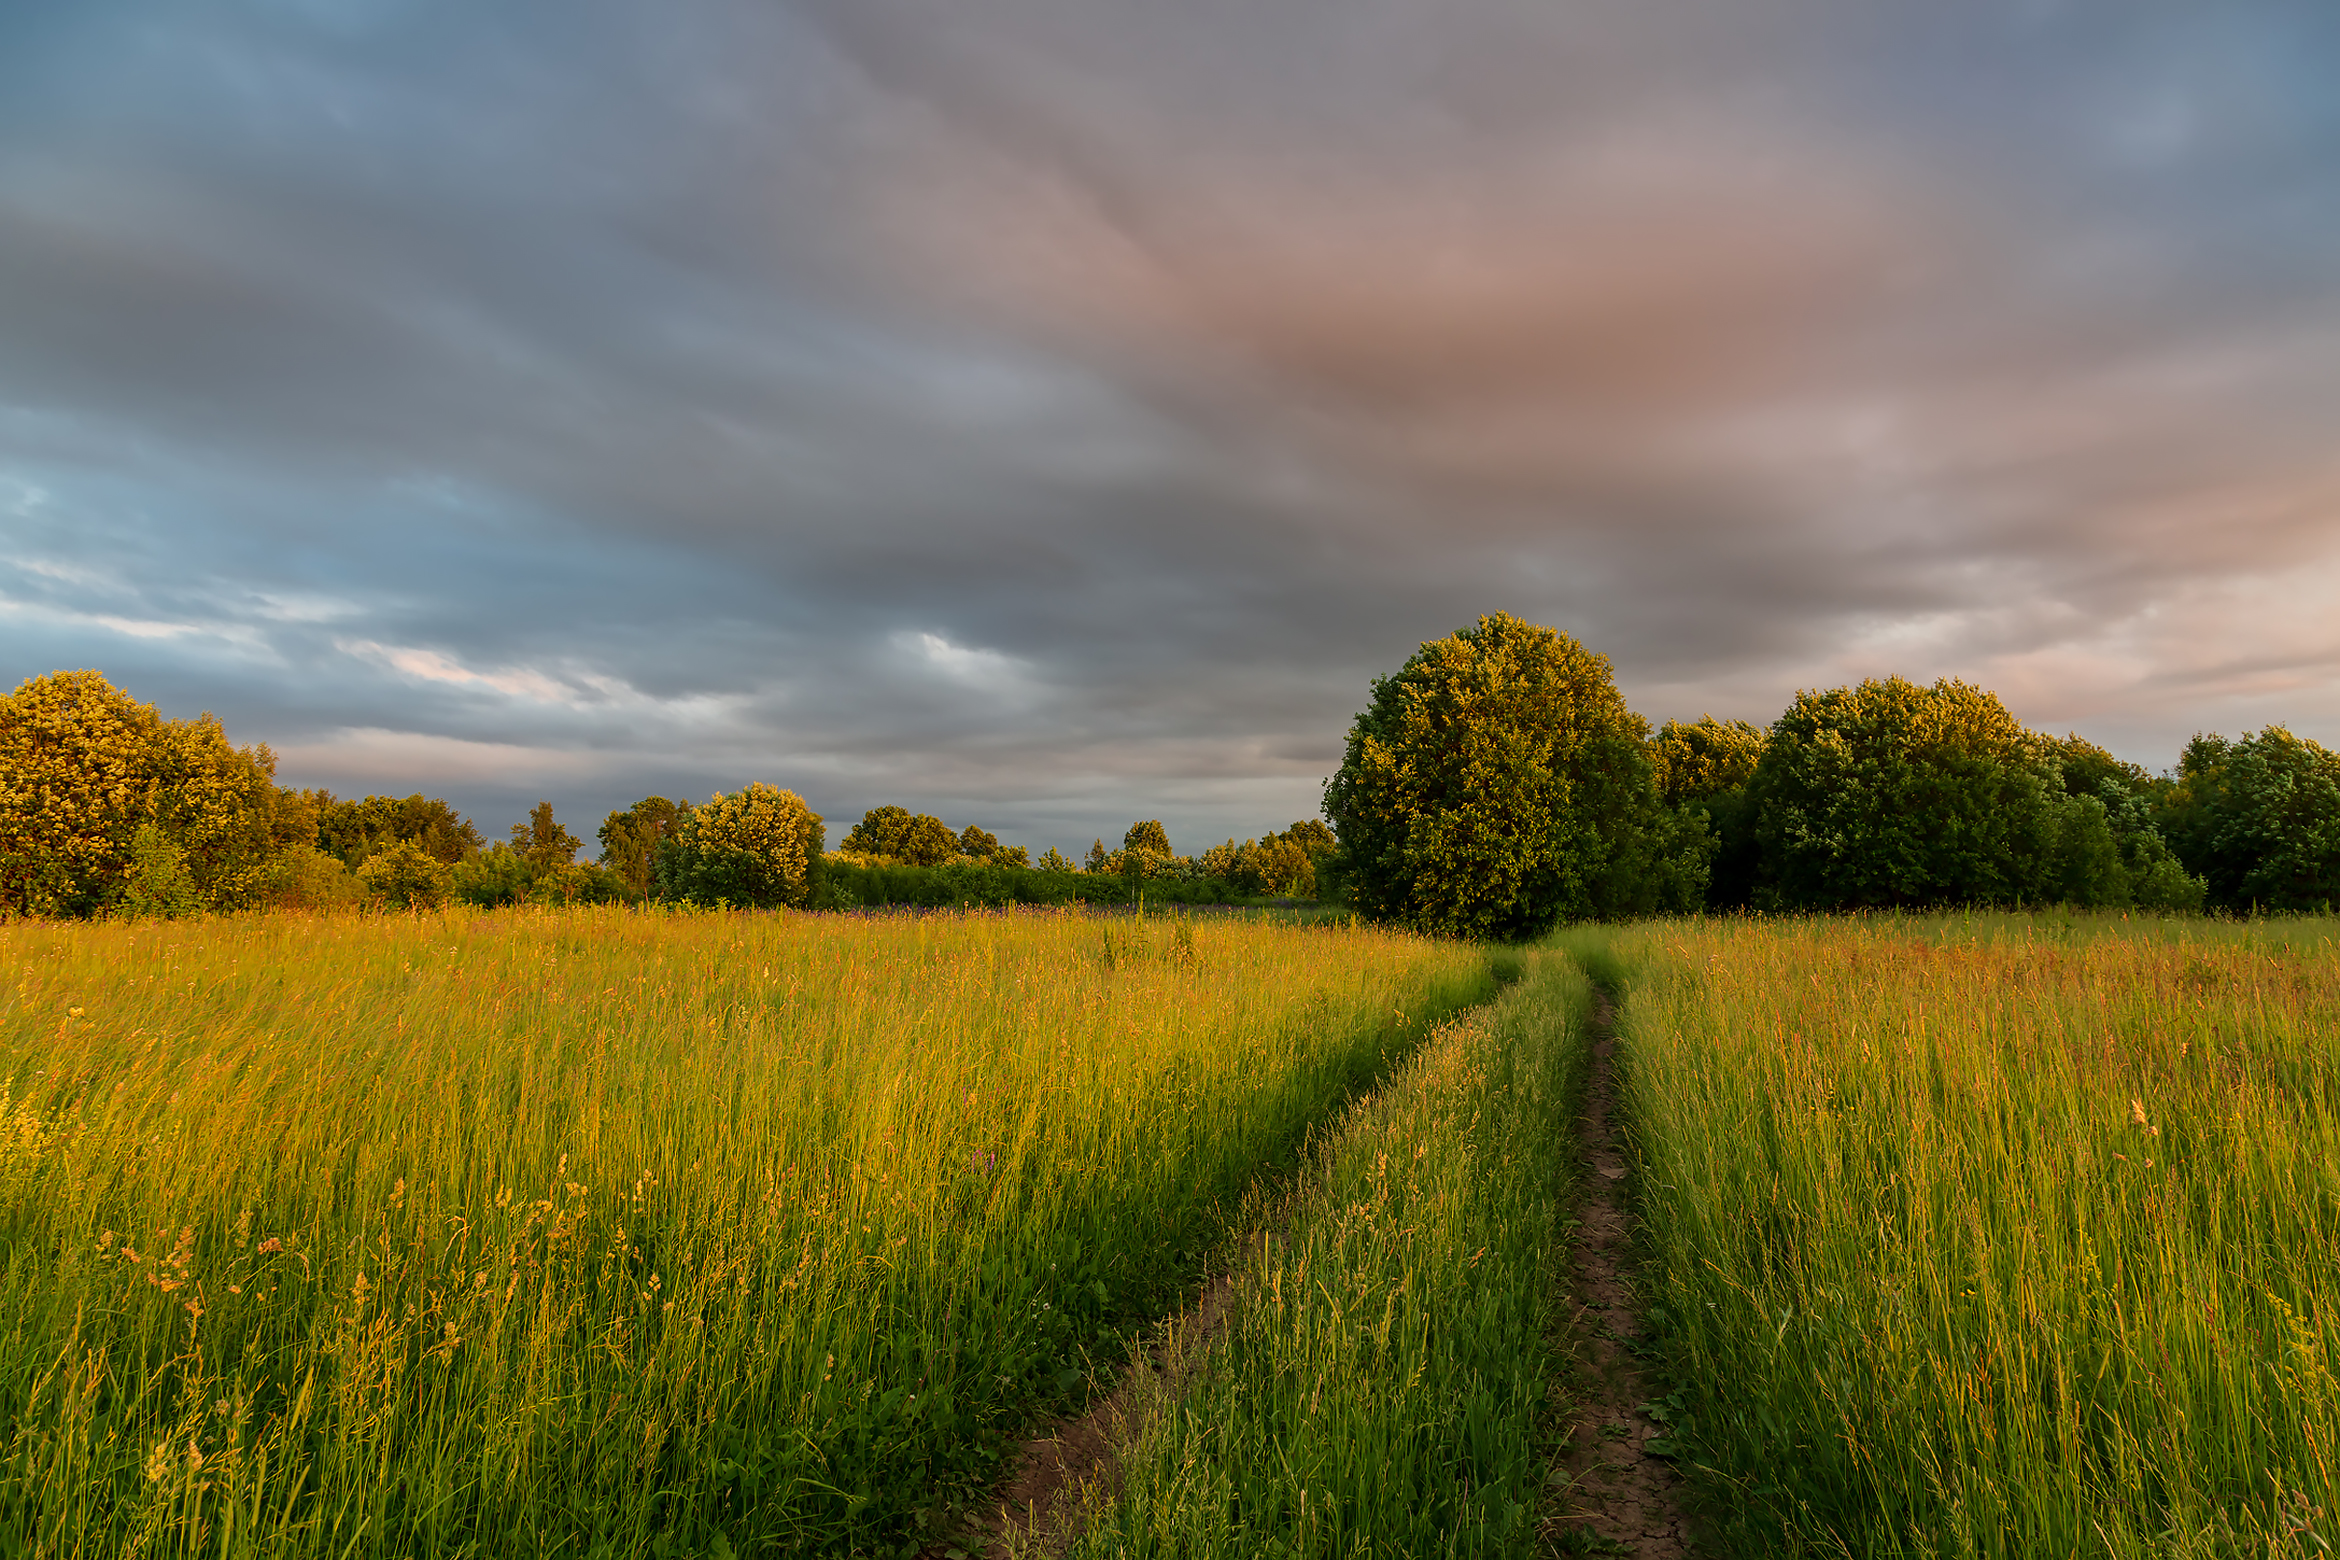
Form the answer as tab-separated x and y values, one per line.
403	876
759	847
158	883
2259	820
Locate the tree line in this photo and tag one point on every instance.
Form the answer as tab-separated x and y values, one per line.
108	809
1497	784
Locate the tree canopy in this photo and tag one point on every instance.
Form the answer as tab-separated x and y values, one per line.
1498	784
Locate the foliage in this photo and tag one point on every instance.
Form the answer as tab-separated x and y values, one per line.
1148	838
622	1233
1891	794
1706	757
2258	819
497	876
1283	866
542	842
84	767
759	847
302	877
981	844
1994	1235
630	841
403	876
897	834
1054	860
354	829
1497	785
158	882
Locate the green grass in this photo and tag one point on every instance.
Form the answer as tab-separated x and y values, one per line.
1380	1385
596	1232
1998	1236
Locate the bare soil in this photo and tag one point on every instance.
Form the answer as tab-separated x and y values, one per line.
1621	1495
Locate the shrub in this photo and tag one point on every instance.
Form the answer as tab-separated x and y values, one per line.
758	847
404	876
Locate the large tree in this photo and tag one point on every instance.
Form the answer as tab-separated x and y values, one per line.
84	768
1892	794
1497	784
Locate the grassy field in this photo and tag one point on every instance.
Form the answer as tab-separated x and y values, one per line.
2006	1236
606	1233
1386	1367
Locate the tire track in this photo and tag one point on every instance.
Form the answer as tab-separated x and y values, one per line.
1619	1493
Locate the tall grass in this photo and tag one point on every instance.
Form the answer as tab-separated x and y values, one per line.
1378	1389
603	1233
2010	1237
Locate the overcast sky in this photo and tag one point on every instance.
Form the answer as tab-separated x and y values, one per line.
1051	413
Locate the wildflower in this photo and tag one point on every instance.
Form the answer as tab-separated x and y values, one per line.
270	1247
158	1462
2137	1115
73	1012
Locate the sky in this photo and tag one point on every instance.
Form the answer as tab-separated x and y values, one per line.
1054	413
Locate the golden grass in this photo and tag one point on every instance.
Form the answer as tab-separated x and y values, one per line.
601	1232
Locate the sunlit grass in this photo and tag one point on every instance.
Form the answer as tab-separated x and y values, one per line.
2005	1235
599	1232
1380	1385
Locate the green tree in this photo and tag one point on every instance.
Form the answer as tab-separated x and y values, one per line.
980	844
404	876
898	834
760	847
355	829
1703	768
158	883
2258	818
1890	794
543	843
1706	757
1054	860
1148	838
499	875
630	841
84	767
1497	784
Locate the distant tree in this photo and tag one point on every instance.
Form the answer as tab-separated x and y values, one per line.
500	875
879	833
898	834
2259	819
630	841
981	844
927	842
403	876
1148	838
355	830
1891	794
543	843
1100	859
1497	784
759	847
1013	856
1054	860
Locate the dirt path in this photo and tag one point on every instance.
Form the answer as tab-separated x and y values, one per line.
1077	1459
1619	1492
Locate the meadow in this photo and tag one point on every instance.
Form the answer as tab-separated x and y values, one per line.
609	1233
1995	1235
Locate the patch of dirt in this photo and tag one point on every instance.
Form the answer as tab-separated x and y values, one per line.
1620	1494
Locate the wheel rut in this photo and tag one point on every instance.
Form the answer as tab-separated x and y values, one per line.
1620	1494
